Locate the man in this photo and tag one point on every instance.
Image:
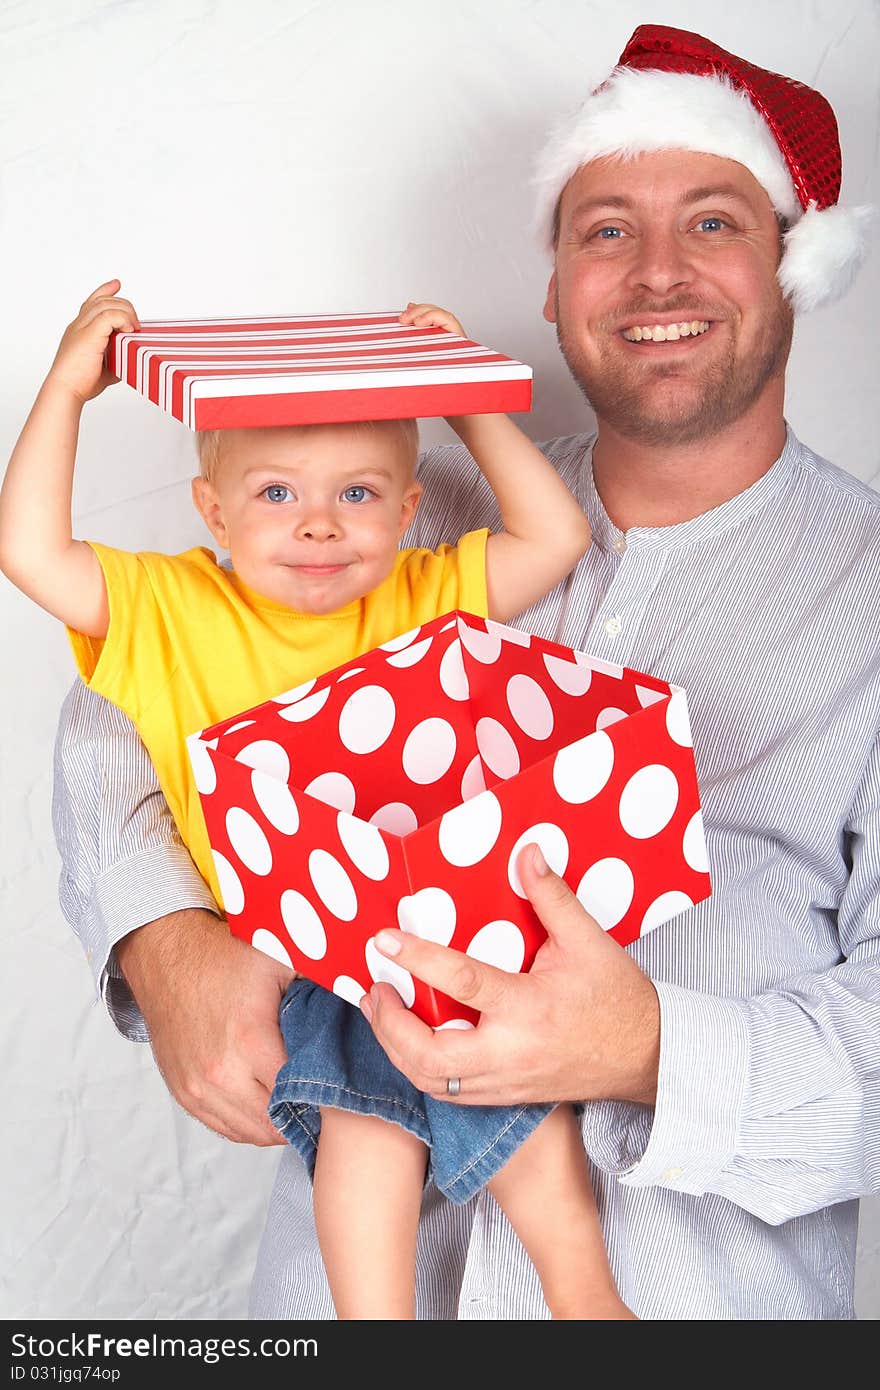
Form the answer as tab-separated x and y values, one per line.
728	1059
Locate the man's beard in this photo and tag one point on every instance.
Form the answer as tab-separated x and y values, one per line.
709	401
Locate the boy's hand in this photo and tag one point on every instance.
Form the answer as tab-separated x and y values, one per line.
79	362
431	316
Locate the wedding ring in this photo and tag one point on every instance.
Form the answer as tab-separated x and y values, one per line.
453	1086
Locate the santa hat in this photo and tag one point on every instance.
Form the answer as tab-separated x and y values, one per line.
676	90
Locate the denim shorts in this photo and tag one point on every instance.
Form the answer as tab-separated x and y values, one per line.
334	1060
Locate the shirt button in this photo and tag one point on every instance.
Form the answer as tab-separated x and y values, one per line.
613	625
619	544
673	1174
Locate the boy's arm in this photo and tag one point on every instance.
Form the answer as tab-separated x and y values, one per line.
545	531
37	549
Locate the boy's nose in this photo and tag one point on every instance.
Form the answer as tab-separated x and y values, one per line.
318	526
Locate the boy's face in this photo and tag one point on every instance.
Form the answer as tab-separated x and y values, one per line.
311	517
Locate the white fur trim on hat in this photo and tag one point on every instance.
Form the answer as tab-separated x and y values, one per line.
640	110
822	256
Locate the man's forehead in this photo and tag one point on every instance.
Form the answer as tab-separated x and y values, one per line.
675	177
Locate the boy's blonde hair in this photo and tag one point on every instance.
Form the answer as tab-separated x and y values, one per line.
209	443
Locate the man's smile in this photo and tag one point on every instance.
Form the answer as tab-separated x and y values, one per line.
666	332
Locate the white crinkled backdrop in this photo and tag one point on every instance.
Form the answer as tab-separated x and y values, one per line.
283	155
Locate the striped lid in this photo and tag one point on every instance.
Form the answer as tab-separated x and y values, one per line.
311	369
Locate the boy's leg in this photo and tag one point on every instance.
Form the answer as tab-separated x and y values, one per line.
368	1183
544	1191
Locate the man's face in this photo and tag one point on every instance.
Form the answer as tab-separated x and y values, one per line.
311	517
669	241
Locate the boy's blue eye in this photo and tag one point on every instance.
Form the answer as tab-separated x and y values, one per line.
355	493
277	492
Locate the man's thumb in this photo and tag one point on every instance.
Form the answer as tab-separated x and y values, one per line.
559	911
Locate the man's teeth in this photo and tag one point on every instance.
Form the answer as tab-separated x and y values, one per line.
666	333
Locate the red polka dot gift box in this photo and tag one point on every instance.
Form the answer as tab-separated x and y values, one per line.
313	369
399	789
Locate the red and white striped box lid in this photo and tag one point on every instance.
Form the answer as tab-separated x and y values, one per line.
312	369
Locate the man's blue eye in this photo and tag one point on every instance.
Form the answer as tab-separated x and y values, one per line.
610	233
711	224
277	492
356	493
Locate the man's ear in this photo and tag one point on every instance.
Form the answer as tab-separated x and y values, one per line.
550	301
207	504
409	506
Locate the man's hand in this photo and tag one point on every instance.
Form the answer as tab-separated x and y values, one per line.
210	1003
584	1024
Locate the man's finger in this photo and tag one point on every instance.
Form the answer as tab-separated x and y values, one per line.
426	1057
561	914
469	981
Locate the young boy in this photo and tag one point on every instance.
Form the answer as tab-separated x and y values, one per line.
312	518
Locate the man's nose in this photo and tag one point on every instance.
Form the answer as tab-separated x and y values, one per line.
662	263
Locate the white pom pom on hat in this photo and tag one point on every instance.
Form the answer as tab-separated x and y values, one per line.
676	90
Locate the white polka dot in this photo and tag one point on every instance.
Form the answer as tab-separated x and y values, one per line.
396	817
446	626
694	844
650	697
572	677
473	781
500	944
307	708
606	668
334	789
509	634
484	647
610	715
662	908
648	801
346	676
268	756
304	926
403	640
497	748
468	832
231	890
412	654
581	770
429	915
383	969
204	772
367	719
295	693
554	847
333	885
348	989
530	707
429	751
453	677
364	846
276	802
606	891
248	841
268	943
454	1023
677	721
242	724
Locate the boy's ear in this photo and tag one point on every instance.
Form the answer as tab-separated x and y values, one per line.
550	300
207	504
410	505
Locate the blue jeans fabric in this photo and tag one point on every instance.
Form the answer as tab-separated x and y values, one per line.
334	1060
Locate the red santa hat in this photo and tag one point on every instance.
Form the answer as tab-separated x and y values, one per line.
676	90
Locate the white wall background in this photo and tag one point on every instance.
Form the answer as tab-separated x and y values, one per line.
282	155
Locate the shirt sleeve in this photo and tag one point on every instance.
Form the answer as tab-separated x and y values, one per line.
431	582
123	863
772	1102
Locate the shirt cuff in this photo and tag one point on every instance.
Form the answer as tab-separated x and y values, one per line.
128	896
701	1089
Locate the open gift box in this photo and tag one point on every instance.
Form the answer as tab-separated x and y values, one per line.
398	790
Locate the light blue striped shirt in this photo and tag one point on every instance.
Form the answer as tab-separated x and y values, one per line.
734	1197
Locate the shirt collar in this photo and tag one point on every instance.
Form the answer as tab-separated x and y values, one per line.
736	509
